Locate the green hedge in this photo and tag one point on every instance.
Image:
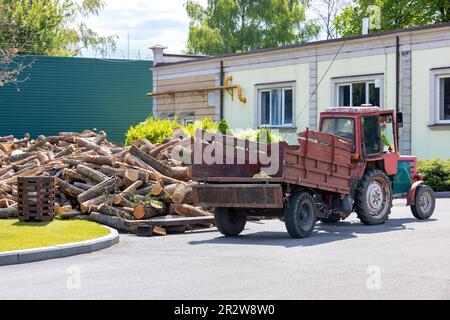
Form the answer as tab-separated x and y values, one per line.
436	173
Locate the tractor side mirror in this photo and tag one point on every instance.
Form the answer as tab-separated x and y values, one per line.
399	119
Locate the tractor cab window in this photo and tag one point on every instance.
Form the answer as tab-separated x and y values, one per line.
372	141
342	127
387	133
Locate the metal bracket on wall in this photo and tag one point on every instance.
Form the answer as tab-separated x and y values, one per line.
228	87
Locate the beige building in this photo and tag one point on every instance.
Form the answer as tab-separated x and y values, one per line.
287	87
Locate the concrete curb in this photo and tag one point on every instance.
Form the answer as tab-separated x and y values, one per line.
442	194
60	250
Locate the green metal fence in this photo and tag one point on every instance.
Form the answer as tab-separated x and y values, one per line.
73	94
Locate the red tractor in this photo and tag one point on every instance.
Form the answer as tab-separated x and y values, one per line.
351	164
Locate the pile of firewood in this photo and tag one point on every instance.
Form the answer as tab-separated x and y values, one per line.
139	189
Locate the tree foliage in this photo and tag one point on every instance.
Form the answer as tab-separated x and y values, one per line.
230	26
395	14
52	27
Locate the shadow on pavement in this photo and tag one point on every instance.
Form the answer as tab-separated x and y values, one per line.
323	233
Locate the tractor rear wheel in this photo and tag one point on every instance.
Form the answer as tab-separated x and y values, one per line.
300	215
230	221
424	202
374	197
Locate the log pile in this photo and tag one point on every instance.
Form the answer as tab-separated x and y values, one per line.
139	189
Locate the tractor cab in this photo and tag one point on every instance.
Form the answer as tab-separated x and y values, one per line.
373	132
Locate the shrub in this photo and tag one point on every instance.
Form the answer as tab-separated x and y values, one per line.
436	173
156	130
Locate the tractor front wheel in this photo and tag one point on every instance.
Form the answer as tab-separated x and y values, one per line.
424	202
374	197
230	221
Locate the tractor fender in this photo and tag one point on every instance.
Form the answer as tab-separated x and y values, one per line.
412	193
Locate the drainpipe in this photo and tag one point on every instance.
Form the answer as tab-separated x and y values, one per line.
222	80
397	76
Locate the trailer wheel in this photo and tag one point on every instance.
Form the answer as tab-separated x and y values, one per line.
424	203
300	215
230	222
374	197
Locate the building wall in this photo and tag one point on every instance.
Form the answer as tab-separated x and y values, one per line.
330	62
428	141
73	94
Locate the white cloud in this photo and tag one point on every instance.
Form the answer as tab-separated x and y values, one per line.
146	22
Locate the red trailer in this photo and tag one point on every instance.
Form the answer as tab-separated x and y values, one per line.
351	164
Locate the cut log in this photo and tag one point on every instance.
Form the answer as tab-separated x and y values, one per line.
146	145
65	208
106	186
40	142
72	175
101	160
87	206
128	192
19	156
113	222
92	146
159	231
70	215
7	138
84	186
101	136
111	211
68	188
170	189
152	162
155	151
157	189
181	193
187	210
146	211
43	157
10	212
66	151
181	173
92	174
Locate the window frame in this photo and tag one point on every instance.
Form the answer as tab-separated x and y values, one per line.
259	88
437	97
338	82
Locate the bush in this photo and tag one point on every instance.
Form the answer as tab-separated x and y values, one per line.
156	130
436	173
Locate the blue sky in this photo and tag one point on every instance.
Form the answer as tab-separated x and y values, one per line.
147	22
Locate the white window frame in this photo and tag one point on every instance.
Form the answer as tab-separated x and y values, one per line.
350	80
268	88
435	94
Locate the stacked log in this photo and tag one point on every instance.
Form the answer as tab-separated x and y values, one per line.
138	189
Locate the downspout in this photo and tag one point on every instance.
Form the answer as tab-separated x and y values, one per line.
397	76
222	79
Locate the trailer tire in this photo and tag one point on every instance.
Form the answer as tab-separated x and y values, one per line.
230	222
424	202
373	201
300	215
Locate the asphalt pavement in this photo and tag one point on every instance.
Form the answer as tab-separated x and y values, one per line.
402	259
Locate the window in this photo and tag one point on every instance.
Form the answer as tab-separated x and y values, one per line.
444	99
342	127
358	93
276	107
371	135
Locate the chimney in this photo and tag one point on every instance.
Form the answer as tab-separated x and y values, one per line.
158	51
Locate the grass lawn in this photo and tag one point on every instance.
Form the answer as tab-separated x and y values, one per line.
15	235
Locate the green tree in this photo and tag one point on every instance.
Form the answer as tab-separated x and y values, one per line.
230	26
51	27
395	14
